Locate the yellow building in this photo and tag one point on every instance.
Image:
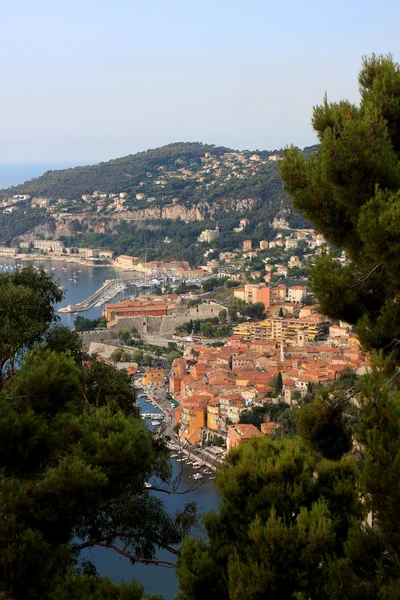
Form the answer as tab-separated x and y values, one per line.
251	331
125	261
153	378
213	417
289	329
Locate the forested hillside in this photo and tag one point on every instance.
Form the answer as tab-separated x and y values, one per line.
120	174
139	202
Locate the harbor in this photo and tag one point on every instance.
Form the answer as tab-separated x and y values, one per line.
203	459
109	289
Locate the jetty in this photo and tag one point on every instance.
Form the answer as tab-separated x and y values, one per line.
109	289
155	416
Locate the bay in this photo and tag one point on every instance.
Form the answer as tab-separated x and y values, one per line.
16	173
155	579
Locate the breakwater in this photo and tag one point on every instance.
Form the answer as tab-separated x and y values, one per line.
109	289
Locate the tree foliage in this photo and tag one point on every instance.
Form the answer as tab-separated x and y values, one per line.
293	520
350	190
74	459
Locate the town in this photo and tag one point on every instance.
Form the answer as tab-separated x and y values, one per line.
232	359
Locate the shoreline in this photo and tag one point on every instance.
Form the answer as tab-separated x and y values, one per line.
68	259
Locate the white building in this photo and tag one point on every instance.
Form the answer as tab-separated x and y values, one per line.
209	235
296	293
49	245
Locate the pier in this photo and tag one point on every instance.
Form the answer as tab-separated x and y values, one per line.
155	416
108	290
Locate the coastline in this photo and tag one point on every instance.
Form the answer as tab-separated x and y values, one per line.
174	444
68	259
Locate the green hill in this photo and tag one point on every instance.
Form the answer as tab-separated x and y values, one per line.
156	201
119	174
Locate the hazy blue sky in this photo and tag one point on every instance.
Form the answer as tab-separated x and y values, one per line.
90	80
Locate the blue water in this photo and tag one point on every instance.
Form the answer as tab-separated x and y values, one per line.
156	580
88	280
15	173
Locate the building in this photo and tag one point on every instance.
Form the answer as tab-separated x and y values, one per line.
193	414
135	308
178	372
296	293
153	378
278	293
268	428
257	292
251	331
6	251
239	434
124	260
239	293
209	235
291	243
49	245
292	330
247	245
264	245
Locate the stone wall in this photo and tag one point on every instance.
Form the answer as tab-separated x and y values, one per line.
167	324
98	336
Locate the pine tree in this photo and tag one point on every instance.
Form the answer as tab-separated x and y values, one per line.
74	459
350	190
279	383
293	518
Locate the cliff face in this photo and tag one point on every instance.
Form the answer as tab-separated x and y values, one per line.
60	226
201	211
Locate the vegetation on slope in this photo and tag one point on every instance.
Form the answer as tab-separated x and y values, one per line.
119	174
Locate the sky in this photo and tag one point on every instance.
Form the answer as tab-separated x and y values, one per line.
89	80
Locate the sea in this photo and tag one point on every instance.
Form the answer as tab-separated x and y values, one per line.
16	173
78	283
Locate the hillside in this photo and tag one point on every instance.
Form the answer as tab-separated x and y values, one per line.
139	202
122	174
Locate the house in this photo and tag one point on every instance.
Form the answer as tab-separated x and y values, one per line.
296	293
209	235
193	413
241	433
247	245
153	378
268	428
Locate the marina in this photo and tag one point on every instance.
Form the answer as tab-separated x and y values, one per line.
109	289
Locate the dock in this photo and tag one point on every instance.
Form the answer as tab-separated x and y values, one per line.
108	290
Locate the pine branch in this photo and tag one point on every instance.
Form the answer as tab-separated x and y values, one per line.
123	552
